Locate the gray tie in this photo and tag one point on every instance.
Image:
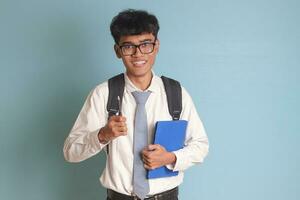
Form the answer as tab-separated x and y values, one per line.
140	181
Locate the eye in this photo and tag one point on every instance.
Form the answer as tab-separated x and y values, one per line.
146	45
127	47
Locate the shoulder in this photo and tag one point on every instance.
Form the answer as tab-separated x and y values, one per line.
185	94
100	90
102	87
186	97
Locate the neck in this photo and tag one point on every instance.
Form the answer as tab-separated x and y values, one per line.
142	82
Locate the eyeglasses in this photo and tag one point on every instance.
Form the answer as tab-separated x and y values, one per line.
130	49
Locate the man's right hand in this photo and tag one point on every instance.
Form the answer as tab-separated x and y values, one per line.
115	127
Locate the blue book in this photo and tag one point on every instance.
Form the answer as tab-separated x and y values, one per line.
170	135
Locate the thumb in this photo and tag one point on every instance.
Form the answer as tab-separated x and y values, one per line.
152	147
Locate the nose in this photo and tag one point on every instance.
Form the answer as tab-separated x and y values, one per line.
137	52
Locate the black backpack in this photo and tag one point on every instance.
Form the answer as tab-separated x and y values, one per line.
116	86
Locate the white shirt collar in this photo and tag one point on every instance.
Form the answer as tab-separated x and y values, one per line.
154	85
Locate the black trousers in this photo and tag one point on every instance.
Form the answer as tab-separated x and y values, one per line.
167	195
175	198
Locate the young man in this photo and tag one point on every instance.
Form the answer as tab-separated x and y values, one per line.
127	137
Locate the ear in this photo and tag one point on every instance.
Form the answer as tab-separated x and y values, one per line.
157	43
117	51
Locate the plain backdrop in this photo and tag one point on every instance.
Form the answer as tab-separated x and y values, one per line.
238	59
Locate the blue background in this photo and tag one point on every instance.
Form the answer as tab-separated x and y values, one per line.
238	59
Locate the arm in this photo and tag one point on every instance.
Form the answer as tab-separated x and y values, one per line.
194	151
196	143
83	142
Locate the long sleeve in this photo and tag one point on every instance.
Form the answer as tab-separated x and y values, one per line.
196	143
82	142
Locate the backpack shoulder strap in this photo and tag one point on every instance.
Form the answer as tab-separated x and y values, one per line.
116	86
174	96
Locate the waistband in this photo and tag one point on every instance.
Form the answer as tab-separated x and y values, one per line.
170	194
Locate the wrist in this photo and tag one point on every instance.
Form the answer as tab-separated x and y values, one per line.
171	158
101	137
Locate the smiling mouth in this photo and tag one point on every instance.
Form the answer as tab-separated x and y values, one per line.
139	63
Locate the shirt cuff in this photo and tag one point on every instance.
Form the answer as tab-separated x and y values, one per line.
95	140
171	166
180	161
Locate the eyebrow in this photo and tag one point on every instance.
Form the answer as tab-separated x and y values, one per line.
141	41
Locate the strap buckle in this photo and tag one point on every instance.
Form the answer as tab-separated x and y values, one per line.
176	115
112	112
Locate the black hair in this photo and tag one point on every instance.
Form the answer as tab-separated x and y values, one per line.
133	22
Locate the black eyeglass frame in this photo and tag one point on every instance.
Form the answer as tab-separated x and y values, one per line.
137	47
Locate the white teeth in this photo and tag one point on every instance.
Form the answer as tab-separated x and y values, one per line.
139	62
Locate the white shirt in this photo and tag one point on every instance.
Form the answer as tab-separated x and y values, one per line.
83	142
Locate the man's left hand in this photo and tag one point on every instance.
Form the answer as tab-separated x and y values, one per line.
155	155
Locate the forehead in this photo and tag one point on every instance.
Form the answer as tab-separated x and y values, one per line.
136	39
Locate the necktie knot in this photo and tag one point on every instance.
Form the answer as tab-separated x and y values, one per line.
141	97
